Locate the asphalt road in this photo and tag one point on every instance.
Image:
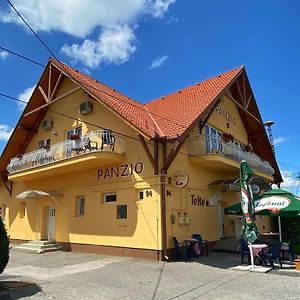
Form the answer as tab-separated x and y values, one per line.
71	275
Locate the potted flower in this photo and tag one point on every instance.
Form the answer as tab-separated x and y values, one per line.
75	137
297	263
46	147
227	137
247	148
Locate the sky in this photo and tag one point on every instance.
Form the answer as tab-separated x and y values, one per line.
150	48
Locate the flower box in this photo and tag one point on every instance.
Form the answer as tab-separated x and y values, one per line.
75	137
227	137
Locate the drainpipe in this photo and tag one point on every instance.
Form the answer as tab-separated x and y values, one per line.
163	208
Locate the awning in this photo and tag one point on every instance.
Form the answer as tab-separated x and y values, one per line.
234	183
34	194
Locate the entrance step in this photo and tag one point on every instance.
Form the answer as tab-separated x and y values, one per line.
39	247
228	244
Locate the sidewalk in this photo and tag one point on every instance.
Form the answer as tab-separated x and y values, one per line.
71	275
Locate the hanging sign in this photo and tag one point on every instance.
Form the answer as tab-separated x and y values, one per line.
180	179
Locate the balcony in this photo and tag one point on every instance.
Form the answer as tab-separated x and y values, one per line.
96	148
214	152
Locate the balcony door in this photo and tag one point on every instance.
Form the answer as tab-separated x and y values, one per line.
74	144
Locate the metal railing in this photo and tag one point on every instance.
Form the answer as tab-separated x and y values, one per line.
215	145
94	141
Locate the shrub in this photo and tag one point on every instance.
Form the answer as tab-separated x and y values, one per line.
4	247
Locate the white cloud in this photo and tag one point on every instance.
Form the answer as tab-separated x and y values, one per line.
160	7
81	17
3	55
116	20
158	61
114	46
5	132
290	182
279	140
25	96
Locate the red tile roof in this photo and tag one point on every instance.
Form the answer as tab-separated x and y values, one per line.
174	113
169	116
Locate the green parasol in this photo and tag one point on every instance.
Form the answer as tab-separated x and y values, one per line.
249	229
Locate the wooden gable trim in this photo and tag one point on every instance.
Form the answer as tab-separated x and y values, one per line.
153	159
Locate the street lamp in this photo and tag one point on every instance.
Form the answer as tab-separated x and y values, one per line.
268	125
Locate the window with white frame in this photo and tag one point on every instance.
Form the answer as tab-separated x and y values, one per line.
80	206
109	197
213	139
44	143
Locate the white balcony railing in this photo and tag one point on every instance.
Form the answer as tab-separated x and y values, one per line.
94	141
215	145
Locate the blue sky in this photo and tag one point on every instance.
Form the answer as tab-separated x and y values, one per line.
149	48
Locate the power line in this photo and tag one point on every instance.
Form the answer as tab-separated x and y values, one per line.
30	28
95	88
22	56
98	126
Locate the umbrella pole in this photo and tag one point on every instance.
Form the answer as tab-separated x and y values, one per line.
279	229
251	255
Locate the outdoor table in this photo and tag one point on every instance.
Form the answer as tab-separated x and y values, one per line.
258	250
193	245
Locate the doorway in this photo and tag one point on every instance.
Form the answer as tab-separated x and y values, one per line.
48	223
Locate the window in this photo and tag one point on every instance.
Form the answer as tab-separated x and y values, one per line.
110	198
213	139
121	211
141	195
80	206
44	143
74	131
22	209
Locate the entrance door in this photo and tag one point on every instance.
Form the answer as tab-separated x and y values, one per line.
51	223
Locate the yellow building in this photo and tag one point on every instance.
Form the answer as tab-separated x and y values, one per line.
112	175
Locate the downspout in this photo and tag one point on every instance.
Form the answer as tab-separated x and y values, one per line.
163	207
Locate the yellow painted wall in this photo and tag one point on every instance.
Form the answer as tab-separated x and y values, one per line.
205	219
99	225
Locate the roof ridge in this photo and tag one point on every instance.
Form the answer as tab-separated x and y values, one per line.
96	81
197	83
155	123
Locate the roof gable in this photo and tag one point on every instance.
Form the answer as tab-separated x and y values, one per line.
177	112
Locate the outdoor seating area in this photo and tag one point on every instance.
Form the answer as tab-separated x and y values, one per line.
190	247
267	254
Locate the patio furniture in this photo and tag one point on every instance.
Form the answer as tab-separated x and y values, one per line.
287	251
193	246
258	251
244	250
201	243
180	250
273	254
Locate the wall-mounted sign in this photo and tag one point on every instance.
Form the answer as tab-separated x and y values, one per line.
209	201
180	179
226	115
121	171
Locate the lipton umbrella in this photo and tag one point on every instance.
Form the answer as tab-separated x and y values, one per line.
275	202
280	203
249	230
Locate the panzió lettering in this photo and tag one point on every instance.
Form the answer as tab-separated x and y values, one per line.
120	171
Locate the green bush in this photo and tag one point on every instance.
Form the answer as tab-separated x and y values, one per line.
4	247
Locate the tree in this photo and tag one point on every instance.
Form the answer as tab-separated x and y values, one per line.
4	247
